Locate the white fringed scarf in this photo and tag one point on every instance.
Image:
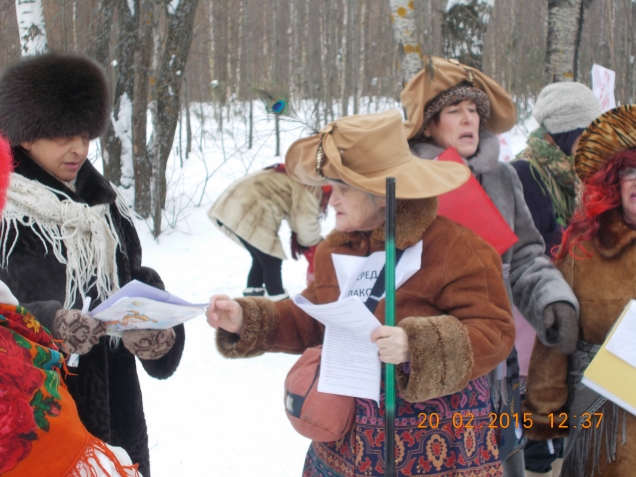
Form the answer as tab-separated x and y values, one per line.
87	233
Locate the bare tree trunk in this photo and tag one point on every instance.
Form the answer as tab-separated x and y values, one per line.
292	48
404	32
212	52
117	153
168	84
361	74
101	44
142	164
9	33
248	74
276	73
345	44
31	27
565	22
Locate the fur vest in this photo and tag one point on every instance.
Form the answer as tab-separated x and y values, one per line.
106	388
604	284
254	206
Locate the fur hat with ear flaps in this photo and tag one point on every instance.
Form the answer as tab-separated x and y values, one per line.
53	95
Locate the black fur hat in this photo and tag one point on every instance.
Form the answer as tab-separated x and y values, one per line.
53	95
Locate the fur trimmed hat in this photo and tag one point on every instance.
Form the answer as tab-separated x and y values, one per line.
566	106
53	95
439	76
456	94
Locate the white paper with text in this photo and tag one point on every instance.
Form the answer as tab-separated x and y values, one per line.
349	364
623	341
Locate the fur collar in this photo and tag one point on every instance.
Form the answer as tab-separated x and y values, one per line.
614	235
90	188
484	160
412	218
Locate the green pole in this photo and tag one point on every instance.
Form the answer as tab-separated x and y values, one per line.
389	320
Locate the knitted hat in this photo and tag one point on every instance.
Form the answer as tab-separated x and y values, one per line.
454	95
608	134
53	95
438	77
363	150
566	106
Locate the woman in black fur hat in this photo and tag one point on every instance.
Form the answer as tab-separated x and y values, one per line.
67	234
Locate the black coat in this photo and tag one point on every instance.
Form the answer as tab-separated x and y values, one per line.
106	388
540	205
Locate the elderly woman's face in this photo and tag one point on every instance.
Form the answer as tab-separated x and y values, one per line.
62	157
356	211
458	127
628	194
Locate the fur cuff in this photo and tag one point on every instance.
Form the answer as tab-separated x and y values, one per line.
261	322
441	357
542	426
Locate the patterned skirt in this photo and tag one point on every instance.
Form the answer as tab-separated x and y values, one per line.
447	436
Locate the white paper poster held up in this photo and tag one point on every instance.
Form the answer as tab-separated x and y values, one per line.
140	306
603	81
349	364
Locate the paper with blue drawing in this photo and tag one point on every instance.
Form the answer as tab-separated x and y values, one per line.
140	306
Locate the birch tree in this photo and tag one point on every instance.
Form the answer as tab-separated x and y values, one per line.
31	26
142	165
404	33
565	23
117	153
180	19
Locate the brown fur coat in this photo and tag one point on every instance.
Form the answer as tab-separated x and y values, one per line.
603	284
455	309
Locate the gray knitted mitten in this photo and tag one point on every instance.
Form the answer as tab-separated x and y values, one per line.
78	331
149	344
562	326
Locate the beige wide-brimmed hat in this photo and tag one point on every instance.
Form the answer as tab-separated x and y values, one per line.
612	132
363	150
440	75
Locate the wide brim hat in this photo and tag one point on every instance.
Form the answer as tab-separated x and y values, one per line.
440	75
363	150
612	132
53	95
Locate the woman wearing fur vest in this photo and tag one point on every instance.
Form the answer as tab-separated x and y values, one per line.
454	323
598	258
449	104
250	211
67	235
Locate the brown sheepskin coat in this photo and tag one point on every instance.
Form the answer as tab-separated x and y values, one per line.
603	284
455	309
254	206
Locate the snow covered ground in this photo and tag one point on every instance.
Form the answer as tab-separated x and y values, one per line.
214	416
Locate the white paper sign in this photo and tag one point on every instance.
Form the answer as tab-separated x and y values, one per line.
357	275
349	363
623	342
603	81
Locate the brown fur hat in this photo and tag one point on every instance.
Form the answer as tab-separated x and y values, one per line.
53	95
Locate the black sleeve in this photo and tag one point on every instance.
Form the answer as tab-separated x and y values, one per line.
44	311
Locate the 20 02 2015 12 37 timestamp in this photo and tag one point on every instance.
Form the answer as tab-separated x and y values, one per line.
587	420
504	420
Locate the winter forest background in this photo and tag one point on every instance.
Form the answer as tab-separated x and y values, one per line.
194	84
171	61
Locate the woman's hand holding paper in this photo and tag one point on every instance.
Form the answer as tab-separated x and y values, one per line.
225	313
392	343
